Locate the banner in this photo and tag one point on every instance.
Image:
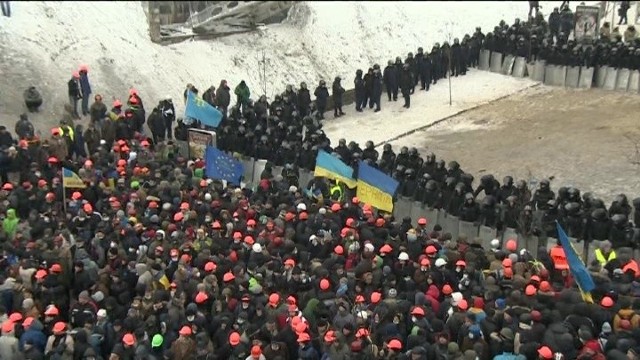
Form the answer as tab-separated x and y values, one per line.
586	28
71	180
198	141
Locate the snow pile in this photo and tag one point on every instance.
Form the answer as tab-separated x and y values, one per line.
43	42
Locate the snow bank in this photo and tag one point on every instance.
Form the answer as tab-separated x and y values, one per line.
43	42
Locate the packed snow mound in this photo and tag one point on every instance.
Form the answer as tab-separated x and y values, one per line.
44	42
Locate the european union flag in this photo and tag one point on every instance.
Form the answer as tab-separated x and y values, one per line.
201	110
219	165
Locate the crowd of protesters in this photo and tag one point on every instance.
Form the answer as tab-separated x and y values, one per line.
152	260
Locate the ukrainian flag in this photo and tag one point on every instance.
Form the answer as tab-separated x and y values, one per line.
576	266
71	180
375	187
331	167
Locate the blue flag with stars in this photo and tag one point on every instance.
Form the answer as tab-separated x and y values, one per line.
201	110
221	166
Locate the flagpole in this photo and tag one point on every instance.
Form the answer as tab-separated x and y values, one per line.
64	196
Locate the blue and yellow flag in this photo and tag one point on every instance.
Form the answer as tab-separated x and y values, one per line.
375	187
201	110
332	168
576	266
219	165
71	180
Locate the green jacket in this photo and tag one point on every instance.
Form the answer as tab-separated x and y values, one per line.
243	92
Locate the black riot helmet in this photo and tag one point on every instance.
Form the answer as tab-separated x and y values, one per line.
572	208
369	144
573	193
453	165
386	147
431	158
507	181
544	184
404	150
450	181
413	152
432	185
599	214
342	142
619	220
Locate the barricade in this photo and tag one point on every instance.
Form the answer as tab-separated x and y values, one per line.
551	242
487	234
468	228
601	74
450	224
483	61
402	208
610	79
586	77
248	175
496	62
519	67
511	233
258	168
549	73
573	77
183	148
634	82
433	218
622	81
277	170
507	65
305	178
539	69
529	242
417	211
559	75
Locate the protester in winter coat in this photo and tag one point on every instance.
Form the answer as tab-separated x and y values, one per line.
243	94
98	110
322	95
223	97
85	88
338	92
75	93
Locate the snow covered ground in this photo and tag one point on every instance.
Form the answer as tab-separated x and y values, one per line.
474	89
43	42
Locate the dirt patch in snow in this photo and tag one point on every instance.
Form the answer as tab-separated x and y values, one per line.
583	138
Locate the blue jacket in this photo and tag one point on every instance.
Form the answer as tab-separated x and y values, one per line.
35	334
84	84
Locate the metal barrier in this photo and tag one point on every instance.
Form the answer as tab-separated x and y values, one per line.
507	65
538	73
610	79
496	62
573	77
622	80
634	82
520	67
601	74
483	61
586	77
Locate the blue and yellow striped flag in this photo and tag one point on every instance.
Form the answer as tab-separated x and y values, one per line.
576	266
71	180
331	167
375	187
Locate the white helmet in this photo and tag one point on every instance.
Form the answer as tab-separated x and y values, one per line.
257	248
301	206
403	256
441	262
495	243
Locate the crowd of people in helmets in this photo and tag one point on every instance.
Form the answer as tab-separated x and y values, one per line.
152	260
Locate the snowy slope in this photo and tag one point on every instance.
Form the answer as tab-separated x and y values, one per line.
43	42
